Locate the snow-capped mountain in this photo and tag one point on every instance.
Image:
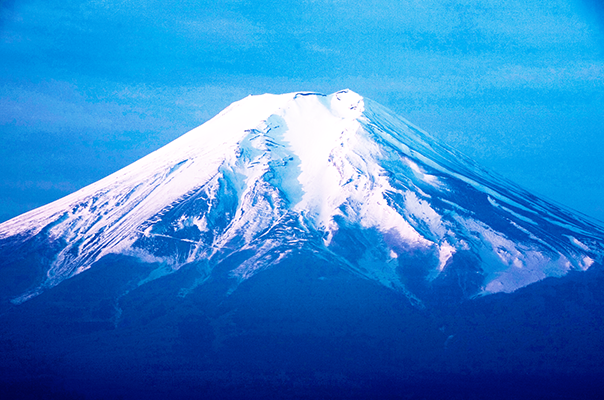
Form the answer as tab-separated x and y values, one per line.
301	246
338	175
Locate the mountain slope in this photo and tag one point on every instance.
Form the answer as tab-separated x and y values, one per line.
337	174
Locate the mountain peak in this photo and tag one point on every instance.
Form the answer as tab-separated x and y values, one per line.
338	175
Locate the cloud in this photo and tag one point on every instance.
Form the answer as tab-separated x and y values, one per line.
572	76
221	30
53	106
7	9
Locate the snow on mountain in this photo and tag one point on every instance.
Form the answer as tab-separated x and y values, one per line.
337	174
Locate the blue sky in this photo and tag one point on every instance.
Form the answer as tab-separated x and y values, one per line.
88	86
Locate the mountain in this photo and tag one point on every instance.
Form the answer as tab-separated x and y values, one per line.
307	244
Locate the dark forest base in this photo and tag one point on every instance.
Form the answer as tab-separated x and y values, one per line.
446	386
302	330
